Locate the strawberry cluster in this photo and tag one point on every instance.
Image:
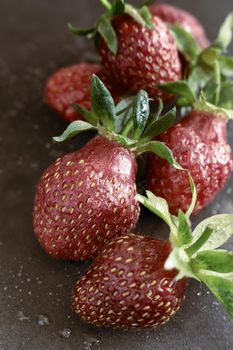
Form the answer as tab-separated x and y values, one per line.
86	204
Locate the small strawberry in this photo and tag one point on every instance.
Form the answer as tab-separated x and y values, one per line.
139	282
199	141
72	85
174	15
199	144
87	197
137	50
127	285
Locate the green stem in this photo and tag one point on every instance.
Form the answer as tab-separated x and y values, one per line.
217	76
127	128
200	242
106	4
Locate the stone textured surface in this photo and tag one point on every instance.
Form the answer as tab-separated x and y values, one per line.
35	290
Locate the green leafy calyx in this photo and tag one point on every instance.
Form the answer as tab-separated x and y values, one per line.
208	72
196	254
104	27
129	123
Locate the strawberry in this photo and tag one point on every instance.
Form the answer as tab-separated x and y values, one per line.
139	282
199	141
199	145
127	285
72	84
87	197
138	51
174	15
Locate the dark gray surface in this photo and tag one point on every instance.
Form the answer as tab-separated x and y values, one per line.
34	41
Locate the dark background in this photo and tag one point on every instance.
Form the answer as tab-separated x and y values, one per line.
34	41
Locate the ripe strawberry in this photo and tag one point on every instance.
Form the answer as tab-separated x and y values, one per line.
127	285
138	51
139	282
72	84
199	141
174	15
199	144
87	197
144	57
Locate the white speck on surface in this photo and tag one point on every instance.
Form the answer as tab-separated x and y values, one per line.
22	317
89	341
65	333
43	320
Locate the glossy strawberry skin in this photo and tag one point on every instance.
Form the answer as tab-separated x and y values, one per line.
144	58
72	84
127	286
175	15
86	198
199	144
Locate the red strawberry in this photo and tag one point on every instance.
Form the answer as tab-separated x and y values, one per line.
138	51
174	15
72	84
139	282
144	57
127	285
86	198
199	144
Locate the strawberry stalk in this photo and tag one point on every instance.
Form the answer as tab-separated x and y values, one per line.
129	123
195	254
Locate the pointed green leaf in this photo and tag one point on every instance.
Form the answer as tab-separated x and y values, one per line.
106	30
179	88
210	55
102	103
159	109
200	242
118	7
156	115
194	197
226	65
139	15
225	33
146	16
184	230
198	78
159	126
106	4
186	44
161	150
89	32
222	226
226	95
124	111
124	140
158	206
210	89
141	111
74	129
89	116
213	260
221	287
